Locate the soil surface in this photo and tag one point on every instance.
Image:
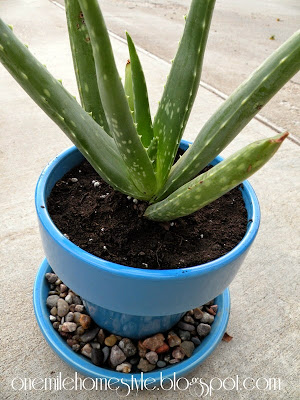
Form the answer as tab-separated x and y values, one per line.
110	225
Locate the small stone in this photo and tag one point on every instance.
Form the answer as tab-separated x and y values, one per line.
152	357
69	317
116	356
173	339
106	351
53	311
110	341
101	336
203	329
51	277
77	316
188	347
124	367
63	288
52	300
167	358
161	364
79	308
69	298
207	318
198	313
52	318
76	300
134	360
62	307
154	342
174	361
52	292
184	335
74	180
185	327
76	347
96	345
127	347
71	342
87	350
145	366
97	356
63	295
196	340
69	327
142	349
178	353
58	282
72	307
85	321
89	335
163	349
189	319
56	325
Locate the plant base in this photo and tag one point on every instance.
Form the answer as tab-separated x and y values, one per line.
82	365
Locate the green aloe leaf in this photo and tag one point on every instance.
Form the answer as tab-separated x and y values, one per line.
182	86
212	184
93	142
129	88
235	113
142	114
84	64
115	102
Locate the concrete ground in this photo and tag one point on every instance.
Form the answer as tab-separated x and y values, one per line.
264	319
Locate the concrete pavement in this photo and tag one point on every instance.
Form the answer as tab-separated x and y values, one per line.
264	319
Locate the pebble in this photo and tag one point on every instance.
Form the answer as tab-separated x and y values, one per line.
203	329
152	357
76	347
163	349
185	327
56	325
69	298
62	307
184	335
188	348
69	327
69	317
89	335
198	313
142	350
207	318
154	342
97	356
145	366
116	356
57	282
173	339
85	321
87	350
53	311
105	351
161	364
196	340
111	340
74	180
77	316
63	295
72	307
127	347
76	300
167	358
79	308
52	318
52	300
51	277
178	353
124	367
101	336
174	361
188	319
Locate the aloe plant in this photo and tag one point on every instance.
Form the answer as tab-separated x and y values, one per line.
114	129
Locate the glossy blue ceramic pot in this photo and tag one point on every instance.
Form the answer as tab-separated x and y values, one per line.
135	302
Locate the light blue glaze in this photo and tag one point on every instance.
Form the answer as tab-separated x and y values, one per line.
135	293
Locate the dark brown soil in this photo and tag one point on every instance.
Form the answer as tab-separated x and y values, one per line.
109	225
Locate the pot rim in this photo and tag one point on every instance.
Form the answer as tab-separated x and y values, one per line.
140	273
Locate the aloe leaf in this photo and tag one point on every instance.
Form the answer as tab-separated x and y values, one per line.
212	184
140	95
93	142
182	86
129	88
115	103
84	64
235	113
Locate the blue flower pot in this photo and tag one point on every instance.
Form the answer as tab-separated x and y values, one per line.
127	301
